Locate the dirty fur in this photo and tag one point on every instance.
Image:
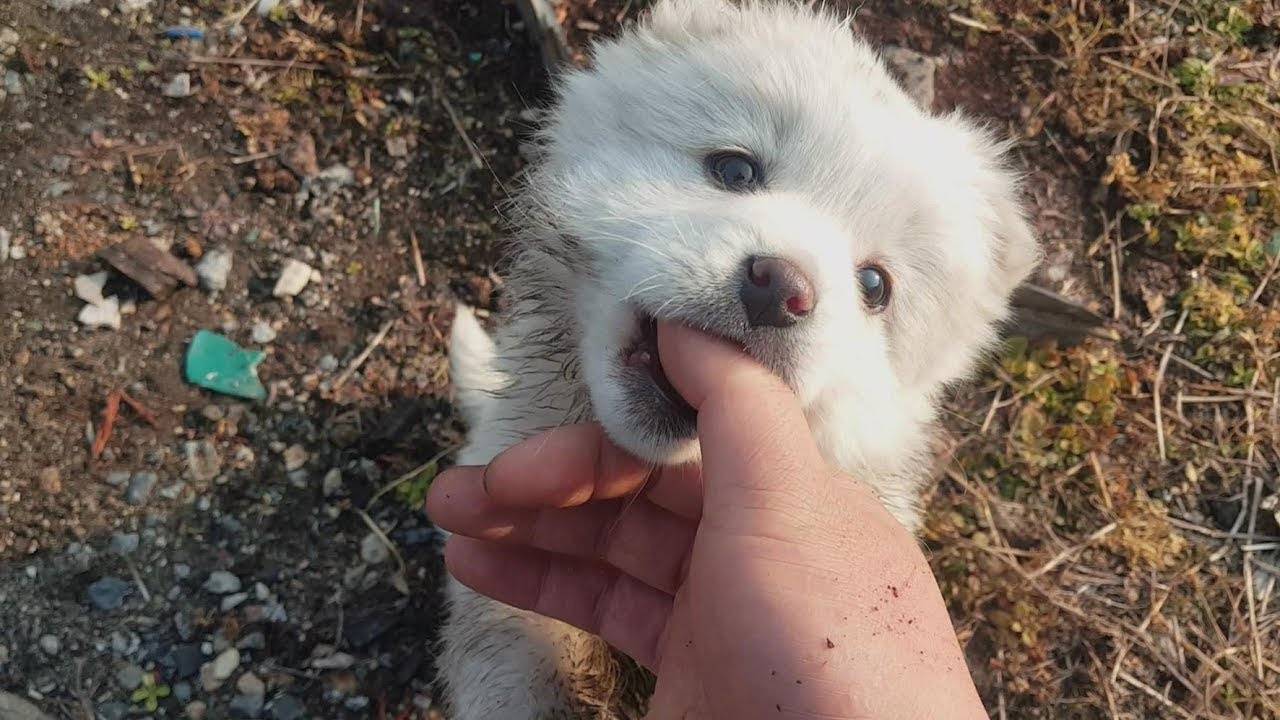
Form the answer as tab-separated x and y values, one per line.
618	220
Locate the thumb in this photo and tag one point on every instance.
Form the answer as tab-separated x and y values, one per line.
755	440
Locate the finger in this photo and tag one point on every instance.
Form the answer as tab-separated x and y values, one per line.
754	437
633	534
628	614
570	465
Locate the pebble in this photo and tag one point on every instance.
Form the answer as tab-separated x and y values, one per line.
106	315
203	461
13	83
50	481
187	660
89	287
182	691
50	645
213	674
197	710
179	86
262	333
250	685
8	41
113	711
124	544
336	661
246	706
214	269
129	677
295	456
6	240
328	363
916	72
293	277
128	7
231	602
221	582
108	593
140	487
118	478
373	550
331	486
253	641
286	707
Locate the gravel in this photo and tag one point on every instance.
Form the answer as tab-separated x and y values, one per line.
109	593
140	487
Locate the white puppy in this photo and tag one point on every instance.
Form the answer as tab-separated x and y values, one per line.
751	170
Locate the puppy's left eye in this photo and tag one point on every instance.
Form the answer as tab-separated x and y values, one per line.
736	171
875	287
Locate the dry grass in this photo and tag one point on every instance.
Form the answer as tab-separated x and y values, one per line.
1106	529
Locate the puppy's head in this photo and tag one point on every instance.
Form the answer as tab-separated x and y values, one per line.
752	170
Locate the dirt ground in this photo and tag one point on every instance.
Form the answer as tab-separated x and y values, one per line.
268	559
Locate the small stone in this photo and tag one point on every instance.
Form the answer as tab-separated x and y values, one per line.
246	707
187	660
286	707
106	315
124	544
213	674
203	461
397	146
293	277
234	600
915	72
108	593
50	481
197	710
328	363
250	685
331	486
214	269
9	40
300	157
129	7
295	456
373	550
13	83
89	287
221	582
178	87
129	677
253	641
140	487
6	241
50	645
336	661
262	333
118	478
213	413
113	711
182	691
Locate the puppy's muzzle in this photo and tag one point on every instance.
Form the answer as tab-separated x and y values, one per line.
775	292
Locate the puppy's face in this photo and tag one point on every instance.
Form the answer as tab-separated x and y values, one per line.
754	172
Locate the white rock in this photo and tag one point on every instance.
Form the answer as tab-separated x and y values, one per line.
266	6
179	86
226	663
295	456
293	277
332	483
221	582
262	333
373	550
50	645
214	268
67	4
89	287
6	241
128	7
8	41
336	661
915	72
106	315
250	685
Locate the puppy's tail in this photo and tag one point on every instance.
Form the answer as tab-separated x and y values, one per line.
471	365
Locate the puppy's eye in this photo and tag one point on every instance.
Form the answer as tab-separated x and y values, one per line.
736	171
875	287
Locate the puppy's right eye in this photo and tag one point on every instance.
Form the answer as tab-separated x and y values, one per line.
735	171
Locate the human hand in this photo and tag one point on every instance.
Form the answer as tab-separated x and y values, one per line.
762	584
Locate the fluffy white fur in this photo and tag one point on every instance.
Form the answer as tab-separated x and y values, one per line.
619	218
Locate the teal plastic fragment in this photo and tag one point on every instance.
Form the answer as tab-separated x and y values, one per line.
218	364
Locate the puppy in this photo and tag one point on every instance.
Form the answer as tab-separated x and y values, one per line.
751	170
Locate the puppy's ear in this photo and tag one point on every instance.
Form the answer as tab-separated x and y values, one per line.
682	19
1014	247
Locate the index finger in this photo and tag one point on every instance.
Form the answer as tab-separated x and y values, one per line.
574	464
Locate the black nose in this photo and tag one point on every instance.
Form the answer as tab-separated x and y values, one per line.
776	293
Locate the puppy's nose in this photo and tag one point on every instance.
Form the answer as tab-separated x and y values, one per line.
776	293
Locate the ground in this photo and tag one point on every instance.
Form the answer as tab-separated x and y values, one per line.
1102	524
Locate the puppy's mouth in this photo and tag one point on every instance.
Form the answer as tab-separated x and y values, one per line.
652	396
